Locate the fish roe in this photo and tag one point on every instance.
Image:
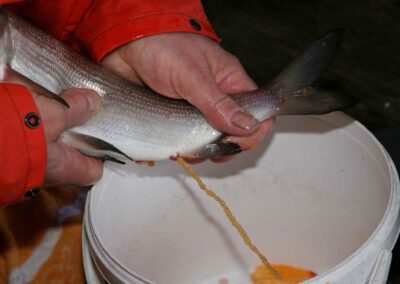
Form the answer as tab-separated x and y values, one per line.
290	275
267	266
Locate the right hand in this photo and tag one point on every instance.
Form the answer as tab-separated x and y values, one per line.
195	68
66	165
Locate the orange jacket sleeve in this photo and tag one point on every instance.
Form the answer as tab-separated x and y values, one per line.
92	26
23	152
99	26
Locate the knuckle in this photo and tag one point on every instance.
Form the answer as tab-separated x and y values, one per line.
234	61
55	124
80	108
225	105
222	100
78	100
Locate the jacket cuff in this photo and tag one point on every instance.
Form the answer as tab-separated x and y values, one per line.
141	27
109	24
24	147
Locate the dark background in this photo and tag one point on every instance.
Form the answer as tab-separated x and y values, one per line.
266	34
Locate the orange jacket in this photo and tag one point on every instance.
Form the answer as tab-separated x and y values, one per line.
95	28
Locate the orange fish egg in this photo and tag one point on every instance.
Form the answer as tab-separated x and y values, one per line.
290	275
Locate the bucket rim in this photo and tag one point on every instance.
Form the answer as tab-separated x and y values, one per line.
390	221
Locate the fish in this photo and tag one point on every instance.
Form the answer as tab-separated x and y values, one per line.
136	123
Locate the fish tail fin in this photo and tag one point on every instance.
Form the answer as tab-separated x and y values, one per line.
310	64
314	101
291	92
292	87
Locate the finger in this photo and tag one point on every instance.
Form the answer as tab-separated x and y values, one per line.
251	142
67	166
117	63
219	109
83	104
235	79
57	118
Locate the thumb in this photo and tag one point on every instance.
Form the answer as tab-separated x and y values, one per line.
83	105
65	165
219	109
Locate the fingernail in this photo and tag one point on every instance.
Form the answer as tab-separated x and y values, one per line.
244	120
93	100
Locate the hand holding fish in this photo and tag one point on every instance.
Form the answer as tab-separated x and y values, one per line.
137	123
65	165
195	68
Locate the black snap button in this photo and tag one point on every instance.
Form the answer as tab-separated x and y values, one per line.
32	120
32	193
195	24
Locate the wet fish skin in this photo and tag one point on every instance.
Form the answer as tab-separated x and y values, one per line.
140	123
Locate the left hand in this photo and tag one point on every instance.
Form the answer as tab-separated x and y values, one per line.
195	68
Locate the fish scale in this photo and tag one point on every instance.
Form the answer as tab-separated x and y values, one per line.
135	121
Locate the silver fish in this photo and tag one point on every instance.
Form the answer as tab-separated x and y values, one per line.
135	122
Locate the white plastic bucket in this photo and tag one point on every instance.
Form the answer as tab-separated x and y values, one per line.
320	194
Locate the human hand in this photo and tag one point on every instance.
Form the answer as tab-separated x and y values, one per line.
195	68
66	165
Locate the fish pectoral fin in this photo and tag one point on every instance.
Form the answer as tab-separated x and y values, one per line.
104	157
216	149
94	147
